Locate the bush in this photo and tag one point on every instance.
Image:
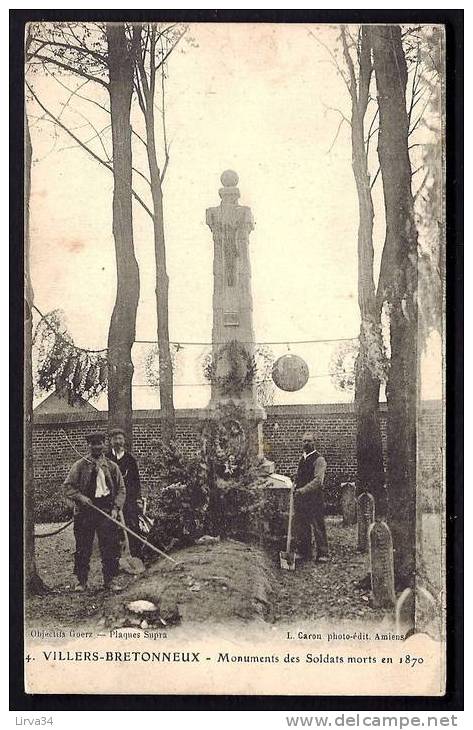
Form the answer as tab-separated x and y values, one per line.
179	515
179	504
233	510
49	502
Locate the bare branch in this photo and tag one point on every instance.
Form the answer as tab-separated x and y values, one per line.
143	87
352	86
333	58
338	111
62	126
371	131
138	172
171	48
91	139
139	93
375	178
138	136
71	69
152	64
421	186
366	70
342	119
79	49
79	96
91	152
421	116
97	135
163	117
414	84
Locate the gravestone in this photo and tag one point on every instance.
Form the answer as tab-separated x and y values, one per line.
348	503
428	613
365	516
382	565
405	612
417	609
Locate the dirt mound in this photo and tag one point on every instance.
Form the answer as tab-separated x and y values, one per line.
221	582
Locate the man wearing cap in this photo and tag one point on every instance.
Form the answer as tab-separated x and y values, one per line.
95	480
309	504
134	502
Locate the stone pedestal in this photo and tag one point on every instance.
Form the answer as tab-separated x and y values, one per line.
233	344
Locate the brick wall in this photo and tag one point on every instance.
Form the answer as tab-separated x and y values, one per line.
334	425
335	429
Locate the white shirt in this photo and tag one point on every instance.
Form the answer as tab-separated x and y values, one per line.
306	456
101	489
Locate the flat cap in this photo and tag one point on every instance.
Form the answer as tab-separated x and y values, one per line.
116	432
95	437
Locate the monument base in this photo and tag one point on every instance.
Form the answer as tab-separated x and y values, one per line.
265	467
250	416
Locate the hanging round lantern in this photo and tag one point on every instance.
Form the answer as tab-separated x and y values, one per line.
290	372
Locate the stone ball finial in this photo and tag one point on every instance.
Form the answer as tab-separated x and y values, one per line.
229	178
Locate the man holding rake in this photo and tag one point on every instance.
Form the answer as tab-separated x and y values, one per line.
96	481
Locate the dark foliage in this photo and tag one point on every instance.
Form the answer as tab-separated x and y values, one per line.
49	503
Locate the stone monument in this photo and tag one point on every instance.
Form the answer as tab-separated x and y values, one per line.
233	341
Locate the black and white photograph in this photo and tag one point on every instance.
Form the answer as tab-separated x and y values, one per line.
234	358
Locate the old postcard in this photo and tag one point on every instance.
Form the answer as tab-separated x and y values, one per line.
234	358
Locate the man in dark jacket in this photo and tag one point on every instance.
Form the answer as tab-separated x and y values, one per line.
95	480
309	504
134	503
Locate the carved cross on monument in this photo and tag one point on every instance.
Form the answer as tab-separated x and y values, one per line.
231	225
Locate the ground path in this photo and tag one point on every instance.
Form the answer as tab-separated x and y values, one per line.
223	572
318	591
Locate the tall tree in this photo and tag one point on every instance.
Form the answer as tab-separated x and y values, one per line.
153	46
399	291
82	49
33	583
122	330
32	580
370	359
103	55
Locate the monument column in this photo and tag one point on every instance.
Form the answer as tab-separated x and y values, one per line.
231	225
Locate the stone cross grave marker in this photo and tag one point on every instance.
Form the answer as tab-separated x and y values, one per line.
365	515
417	610
348	503
382	565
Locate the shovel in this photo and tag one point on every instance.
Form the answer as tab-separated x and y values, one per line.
287	559
131	532
128	562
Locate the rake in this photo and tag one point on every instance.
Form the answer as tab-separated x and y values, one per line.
132	532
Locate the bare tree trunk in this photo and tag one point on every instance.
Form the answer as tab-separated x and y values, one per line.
162	287
33	583
369	451
400	290
121	334
146	87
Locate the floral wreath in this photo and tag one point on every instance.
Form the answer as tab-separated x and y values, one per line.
233	381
